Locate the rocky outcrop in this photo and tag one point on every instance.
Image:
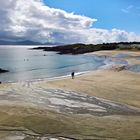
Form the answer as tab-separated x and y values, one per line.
119	68
3	71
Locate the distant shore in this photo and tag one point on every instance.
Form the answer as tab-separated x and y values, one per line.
88	48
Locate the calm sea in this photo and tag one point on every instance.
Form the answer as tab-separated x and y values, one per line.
26	64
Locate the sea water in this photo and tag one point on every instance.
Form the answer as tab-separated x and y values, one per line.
26	64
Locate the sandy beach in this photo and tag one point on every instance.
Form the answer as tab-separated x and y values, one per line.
103	104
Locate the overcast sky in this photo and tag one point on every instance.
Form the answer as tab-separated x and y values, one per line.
70	21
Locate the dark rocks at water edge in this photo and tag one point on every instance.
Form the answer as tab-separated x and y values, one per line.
86	48
3	71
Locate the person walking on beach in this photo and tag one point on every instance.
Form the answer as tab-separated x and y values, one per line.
72	75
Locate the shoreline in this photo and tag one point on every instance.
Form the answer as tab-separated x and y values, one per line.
104	67
66	83
102	104
49	79
107	65
84	73
112	69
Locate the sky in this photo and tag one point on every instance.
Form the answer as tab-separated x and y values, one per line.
121	14
70	21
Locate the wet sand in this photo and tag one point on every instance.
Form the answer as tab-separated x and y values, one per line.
122	87
116	84
98	105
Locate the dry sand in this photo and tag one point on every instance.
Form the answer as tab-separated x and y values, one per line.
115	52
30	117
123	87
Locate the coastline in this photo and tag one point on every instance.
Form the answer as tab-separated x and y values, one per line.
107	66
112	70
24	109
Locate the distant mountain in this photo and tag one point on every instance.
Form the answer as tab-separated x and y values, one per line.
25	42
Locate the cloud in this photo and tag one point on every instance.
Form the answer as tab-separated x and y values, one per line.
33	20
125	10
128	9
